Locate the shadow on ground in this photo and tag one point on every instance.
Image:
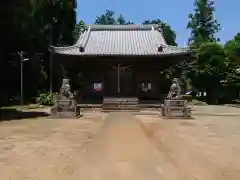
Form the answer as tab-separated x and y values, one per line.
15	114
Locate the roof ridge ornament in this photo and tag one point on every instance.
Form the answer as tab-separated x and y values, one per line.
85	40
159	29
160	48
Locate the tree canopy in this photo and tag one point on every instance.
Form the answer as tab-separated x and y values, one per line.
202	23
168	33
233	49
79	28
31	26
209	65
109	18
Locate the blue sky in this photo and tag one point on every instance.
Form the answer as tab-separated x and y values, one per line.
174	12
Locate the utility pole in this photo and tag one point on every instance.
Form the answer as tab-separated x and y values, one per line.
50	58
51	4
21	64
21	76
53	20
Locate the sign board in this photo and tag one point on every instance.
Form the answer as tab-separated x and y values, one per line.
97	86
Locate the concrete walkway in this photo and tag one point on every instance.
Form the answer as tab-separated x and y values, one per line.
120	151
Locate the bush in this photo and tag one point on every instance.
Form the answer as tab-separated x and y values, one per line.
46	99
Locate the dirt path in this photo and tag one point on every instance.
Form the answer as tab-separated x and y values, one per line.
205	148
120	151
121	146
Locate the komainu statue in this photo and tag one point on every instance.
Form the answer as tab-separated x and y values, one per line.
65	90
65	106
174	105
175	90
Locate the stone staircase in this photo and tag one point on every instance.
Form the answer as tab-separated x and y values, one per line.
115	104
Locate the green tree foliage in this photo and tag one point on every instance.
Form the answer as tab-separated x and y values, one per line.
31	26
109	18
168	33
206	73
202	23
209	70
209	62
233	49
121	19
78	30
232	80
106	18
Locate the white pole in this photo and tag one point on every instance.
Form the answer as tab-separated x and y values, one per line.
21	59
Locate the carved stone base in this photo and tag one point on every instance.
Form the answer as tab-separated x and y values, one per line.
175	109
65	109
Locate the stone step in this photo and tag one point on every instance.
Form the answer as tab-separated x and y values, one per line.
114	104
120	101
120	110
120	105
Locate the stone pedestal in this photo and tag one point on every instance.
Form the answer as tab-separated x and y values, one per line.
65	106
175	108
65	109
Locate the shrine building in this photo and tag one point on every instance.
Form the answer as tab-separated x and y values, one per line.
119	61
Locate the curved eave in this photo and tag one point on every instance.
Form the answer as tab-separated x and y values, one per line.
74	51
124	55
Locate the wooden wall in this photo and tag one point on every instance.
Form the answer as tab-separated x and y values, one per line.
99	70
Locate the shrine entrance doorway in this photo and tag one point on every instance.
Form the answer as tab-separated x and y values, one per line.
119	81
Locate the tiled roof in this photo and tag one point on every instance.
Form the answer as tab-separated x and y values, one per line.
126	40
